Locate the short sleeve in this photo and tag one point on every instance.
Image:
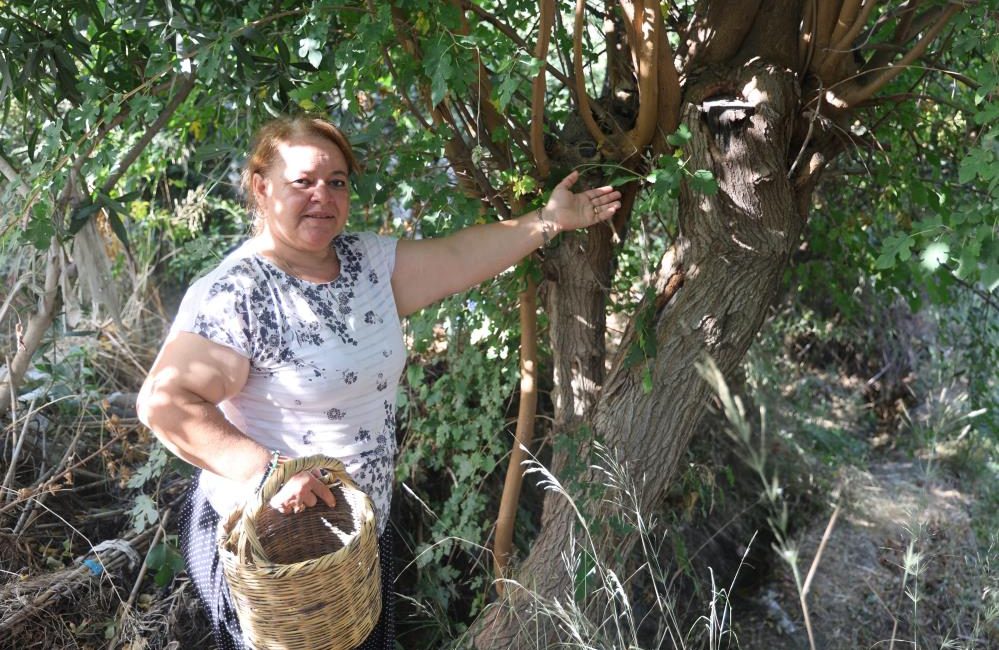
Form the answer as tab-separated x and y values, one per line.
218	309
382	251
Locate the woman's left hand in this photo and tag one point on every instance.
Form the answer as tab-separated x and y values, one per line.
568	210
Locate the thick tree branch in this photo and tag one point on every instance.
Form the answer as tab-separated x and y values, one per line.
903	31
806	42
718	34
582	98
547	8
525	430
668	113
845	21
512	34
845	42
30	338
853	97
643	38
826	14
838	61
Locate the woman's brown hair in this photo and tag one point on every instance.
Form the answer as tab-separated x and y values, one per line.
283	130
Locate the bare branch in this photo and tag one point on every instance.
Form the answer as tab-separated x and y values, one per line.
525	429
30	338
547	8
460	156
988	297
847	18
902	20
387	57
184	88
845	41
512	34
483	91
857	95
402	92
582	98
806	42
826	13
8	170
455	148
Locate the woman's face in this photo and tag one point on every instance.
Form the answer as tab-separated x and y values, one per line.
304	196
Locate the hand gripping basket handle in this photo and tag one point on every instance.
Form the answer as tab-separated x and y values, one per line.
248	544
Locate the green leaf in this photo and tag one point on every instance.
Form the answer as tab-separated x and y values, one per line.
647	380
896	246
439	66
990	275
39	231
156	556
975	164
585	573
118	228
166	561
144	513
681	137
704	181
439	80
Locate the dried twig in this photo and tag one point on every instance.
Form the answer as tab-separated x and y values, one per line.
18	445
125	609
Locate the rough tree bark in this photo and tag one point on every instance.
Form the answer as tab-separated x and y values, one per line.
712	292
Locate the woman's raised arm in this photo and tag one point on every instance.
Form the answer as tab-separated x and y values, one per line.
427	270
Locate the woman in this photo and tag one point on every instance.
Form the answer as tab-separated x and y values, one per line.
292	346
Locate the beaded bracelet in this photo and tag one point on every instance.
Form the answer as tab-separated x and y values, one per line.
271	466
545	229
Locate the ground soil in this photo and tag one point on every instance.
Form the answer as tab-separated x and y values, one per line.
900	569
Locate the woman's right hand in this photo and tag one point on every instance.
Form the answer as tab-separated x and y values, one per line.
301	491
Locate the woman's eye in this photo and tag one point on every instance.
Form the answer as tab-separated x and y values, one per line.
338	182
301	182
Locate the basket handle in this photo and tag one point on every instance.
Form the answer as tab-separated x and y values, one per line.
248	544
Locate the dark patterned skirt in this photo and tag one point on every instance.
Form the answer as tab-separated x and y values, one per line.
198	528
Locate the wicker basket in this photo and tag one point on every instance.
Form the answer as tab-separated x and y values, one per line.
309	580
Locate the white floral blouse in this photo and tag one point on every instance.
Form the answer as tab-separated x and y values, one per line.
325	359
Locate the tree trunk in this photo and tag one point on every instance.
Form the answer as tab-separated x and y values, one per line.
29	338
578	275
713	290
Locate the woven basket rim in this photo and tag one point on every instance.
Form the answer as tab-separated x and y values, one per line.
241	521
268	566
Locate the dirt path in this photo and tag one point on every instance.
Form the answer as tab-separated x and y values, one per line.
901	564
